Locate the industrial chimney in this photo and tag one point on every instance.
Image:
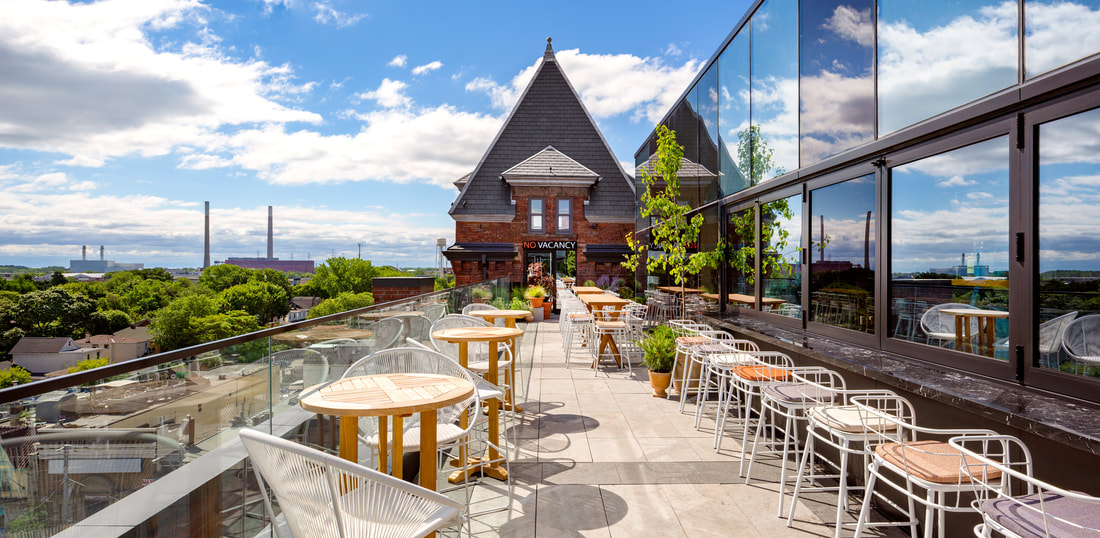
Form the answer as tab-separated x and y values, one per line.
100	252
206	240
84	253
270	235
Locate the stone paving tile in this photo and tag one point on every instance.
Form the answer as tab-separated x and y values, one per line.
645	512
572	510
616	449
607	426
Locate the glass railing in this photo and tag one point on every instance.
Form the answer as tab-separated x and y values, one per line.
151	446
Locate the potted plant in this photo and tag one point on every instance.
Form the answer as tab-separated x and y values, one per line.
660	352
534	295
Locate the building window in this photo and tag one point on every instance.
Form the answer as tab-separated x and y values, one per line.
949	249
842	254
538	214
781	261
565	215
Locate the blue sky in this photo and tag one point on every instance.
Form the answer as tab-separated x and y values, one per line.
119	118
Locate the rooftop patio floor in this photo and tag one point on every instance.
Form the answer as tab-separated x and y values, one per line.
598	455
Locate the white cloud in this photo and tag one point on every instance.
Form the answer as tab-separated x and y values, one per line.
955	181
673	50
324	13
852	24
608	84
979	195
399	61
427	68
14	180
1058	33
390	94
134	98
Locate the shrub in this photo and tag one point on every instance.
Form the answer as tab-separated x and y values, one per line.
534	292
660	349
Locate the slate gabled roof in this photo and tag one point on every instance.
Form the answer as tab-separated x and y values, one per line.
687	168
43	344
549	165
548	113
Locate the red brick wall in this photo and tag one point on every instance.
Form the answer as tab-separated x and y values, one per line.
388	289
515	232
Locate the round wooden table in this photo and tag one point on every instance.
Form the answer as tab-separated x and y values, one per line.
581	290
389	395
963	328
375	316
509	316
320	334
493	336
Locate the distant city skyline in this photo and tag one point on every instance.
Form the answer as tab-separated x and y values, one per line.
119	118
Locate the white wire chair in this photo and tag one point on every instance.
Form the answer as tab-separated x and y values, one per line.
387	334
1081	340
477	306
926	471
434	311
1036	508
323	495
940	327
477	356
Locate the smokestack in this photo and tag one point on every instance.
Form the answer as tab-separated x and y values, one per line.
84	253
206	240
100	252
822	256
270	235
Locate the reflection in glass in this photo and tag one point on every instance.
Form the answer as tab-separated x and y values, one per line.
741	236
781	228
1059	32
708	240
1069	247
936	56
949	248
837	108
733	113
706	95
842	254
774	132
687	124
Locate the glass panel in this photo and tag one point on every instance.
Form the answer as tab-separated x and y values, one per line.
842	254
741	235
687	124
707	106
564	216
837	92
774	130
733	115
1059	32
1069	247
949	249
536	213
782	258
936	56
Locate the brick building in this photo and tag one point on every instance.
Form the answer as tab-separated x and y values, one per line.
546	187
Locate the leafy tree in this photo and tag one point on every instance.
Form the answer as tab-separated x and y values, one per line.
444	282
272	276
52	312
108	321
21	284
8	339
222	325
8	298
673	232
171	325
57	279
341	275
15	375
89	364
265	300
341	303
219	278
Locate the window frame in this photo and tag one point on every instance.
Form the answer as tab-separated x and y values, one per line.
568	229
531	214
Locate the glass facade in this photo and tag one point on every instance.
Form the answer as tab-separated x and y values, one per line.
1069	248
889	120
842	254
949	248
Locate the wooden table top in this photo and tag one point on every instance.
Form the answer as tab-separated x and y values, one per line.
975	312
586	289
611	324
320	334
568	279
603	299
680	289
391	314
387	395
477	334
743	299
494	314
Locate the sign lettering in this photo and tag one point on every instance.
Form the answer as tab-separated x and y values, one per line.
549	245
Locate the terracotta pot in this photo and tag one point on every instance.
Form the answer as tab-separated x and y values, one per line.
480	300
546	309
659	381
536	302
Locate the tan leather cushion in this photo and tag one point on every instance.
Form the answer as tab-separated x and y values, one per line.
846	418
692	340
933	461
761	373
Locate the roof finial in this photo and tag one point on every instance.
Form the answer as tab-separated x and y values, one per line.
549	54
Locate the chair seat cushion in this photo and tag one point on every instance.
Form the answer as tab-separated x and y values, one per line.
1024	515
761	373
847	419
482	366
410	441
711	348
933	461
610	324
691	340
729	360
798	392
